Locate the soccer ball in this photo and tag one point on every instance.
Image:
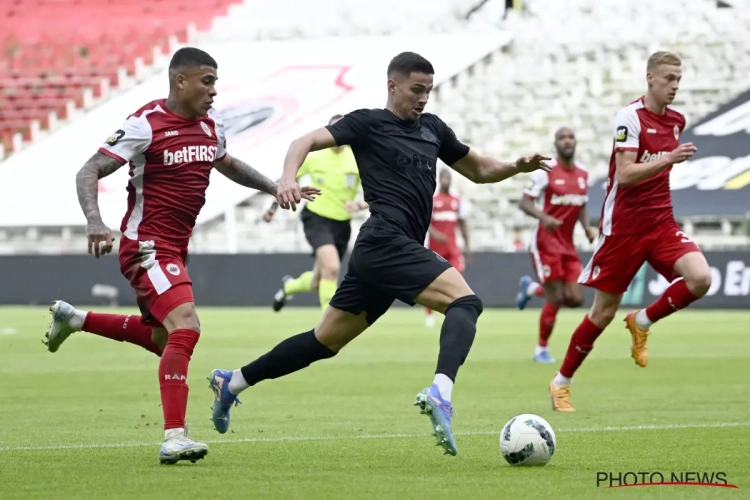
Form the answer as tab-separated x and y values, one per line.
527	440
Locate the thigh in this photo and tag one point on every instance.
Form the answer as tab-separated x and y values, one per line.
317	230
548	266
342	233
444	290
157	273
396	265
456	259
338	327
615	262
668	245
359	298
571	268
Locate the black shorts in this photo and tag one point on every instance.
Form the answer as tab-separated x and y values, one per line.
384	266
321	231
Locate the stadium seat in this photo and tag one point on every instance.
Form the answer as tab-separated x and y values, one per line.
56	52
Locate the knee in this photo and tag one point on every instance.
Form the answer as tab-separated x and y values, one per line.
555	301
699	283
183	317
469	302
329	270
602	316
573	301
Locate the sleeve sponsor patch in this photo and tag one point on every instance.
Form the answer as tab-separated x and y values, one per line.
622	134
115	138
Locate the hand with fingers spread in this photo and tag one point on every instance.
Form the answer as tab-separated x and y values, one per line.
528	164
289	194
100	239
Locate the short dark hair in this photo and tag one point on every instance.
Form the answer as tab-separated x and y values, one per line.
334	118
190	56
407	63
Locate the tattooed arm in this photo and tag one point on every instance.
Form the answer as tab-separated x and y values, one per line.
87	185
245	175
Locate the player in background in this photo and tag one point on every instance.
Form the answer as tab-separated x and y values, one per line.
326	222
448	214
170	145
561	198
638	225
396	148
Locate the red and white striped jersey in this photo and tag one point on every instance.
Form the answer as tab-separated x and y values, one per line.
641	207
560	193
170	160
447	210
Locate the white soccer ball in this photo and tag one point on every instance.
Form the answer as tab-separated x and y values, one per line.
527	440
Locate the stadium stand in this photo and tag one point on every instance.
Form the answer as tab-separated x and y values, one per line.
508	105
63	55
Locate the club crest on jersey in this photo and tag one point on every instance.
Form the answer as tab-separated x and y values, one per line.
581	183
115	138
173	269
622	134
206	129
676	132
427	135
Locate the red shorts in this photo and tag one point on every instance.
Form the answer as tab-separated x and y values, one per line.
453	255
156	271
617	259
563	267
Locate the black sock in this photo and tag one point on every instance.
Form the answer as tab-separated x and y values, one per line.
457	334
290	355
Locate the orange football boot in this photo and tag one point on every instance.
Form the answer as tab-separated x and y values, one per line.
639	349
560	397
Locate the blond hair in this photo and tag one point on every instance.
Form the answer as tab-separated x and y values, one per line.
662	57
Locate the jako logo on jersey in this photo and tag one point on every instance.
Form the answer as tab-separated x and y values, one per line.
190	154
576	200
171	133
651	156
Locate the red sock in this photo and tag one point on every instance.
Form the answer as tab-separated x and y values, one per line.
580	345
539	291
428	310
122	328
173	371
547	322
677	296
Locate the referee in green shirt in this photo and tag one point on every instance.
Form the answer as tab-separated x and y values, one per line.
326	221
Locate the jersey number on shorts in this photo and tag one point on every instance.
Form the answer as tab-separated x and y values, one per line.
685	237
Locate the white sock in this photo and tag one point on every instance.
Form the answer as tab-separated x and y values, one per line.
533	287
77	319
560	380
642	320
445	386
237	383
174	434
539	350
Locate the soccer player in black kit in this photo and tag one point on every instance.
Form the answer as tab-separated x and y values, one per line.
396	149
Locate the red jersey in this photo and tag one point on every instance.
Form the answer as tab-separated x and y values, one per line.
447	210
170	160
644	206
560	193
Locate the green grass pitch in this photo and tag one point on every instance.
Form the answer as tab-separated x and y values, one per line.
85	422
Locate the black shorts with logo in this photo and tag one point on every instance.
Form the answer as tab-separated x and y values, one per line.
321	231
384	266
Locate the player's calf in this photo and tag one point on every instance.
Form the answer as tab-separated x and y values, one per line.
336	329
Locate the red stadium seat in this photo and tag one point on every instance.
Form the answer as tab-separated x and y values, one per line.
52	50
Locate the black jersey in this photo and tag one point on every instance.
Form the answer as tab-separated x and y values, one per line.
397	162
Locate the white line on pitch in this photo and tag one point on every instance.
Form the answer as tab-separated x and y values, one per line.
375	436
